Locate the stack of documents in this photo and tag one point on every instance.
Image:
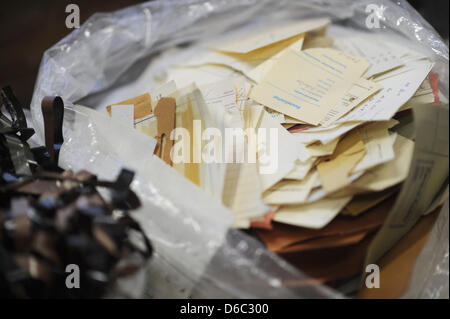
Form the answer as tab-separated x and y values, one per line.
327	137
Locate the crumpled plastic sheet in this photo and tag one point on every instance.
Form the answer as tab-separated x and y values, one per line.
197	255
431	273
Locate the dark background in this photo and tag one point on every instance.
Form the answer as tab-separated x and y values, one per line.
28	28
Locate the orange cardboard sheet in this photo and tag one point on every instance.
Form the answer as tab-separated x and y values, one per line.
326	242
330	264
282	236
165	114
396	267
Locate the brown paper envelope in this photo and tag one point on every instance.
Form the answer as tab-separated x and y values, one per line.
330	264
396	267
326	242
283	236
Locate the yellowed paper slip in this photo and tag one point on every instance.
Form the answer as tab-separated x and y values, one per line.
301	169
318	150
291	120
306	85
208	176
189	168
334	173
397	90
202	75
254	64
390	173
315	215
378	144
290	191
258	73
319	41
363	202
242	190
269	35
147	125
380	54
359	92
324	135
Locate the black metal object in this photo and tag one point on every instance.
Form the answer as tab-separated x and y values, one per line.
50	218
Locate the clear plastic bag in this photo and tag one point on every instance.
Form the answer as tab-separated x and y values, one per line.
197	255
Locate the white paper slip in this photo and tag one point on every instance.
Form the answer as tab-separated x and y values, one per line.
396	91
301	169
277	151
378	145
202	75
168	89
317	150
242	88
379	54
411	65
306	85
277	116
359	92
242	191
315	215
319	193
123	114
220	97
390	173
324	135
290	191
